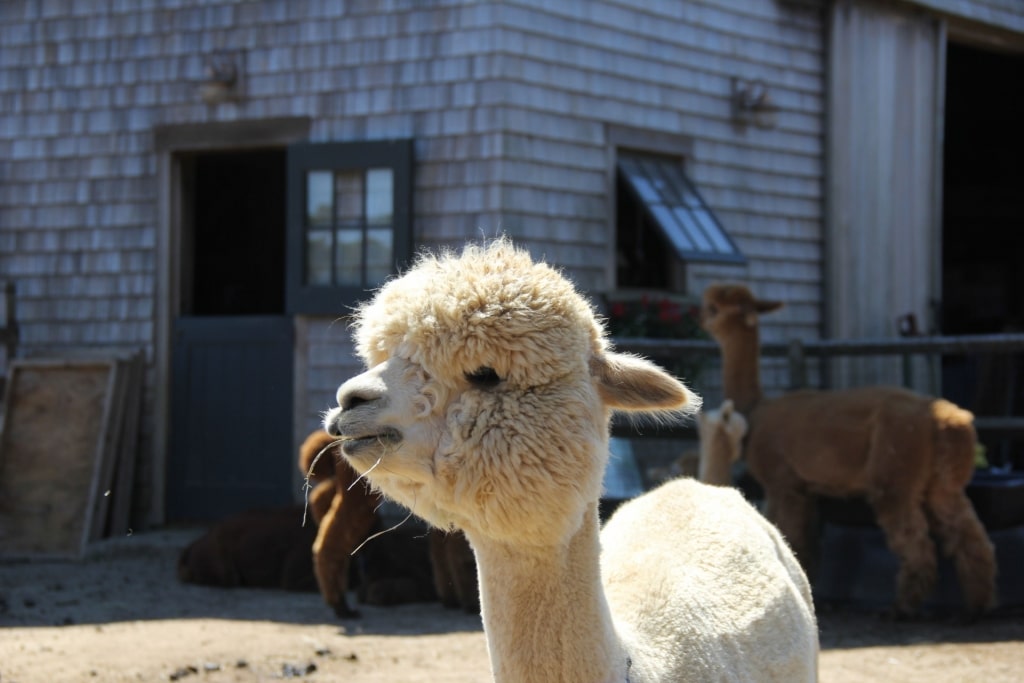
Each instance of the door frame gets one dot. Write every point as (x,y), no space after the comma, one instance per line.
(170,143)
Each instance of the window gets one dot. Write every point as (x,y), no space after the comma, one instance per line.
(663,223)
(349,221)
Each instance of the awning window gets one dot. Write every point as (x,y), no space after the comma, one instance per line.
(674,206)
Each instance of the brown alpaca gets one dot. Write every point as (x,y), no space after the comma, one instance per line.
(255,549)
(721,443)
(454,567)
(393,568)
(345,514)
(911,456)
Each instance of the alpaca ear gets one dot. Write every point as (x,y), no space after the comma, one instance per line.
(756,308)
(726,409)
(630,383)
(765,306)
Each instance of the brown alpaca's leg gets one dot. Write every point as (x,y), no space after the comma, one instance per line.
(906,533)
(454,566)
(953,517)
(965,540)
(462,565)
(444,582)
(793,513)
(331,559)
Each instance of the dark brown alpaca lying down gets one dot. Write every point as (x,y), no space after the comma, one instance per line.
(255,549)
(280,548)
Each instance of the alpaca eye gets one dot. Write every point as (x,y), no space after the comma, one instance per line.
(483,377)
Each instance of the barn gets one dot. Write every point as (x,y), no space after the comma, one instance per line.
(215,183)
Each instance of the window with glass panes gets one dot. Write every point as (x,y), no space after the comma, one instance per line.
(662,223)
(350,228)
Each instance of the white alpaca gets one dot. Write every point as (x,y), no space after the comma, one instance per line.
(721,443)
(486,407)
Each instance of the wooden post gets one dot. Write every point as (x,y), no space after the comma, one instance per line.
(797,365)
(9,329)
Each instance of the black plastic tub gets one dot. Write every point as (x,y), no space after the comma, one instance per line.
(998,498)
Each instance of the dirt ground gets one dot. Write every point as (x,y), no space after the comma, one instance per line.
(121,615)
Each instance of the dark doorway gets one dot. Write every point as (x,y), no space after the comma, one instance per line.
(231,421)
(238,242)
(982,235)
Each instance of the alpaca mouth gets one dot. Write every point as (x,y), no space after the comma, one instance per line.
(353,444)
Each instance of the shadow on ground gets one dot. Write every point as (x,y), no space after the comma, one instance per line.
(133,579)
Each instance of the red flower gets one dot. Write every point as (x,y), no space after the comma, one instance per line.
(669,315)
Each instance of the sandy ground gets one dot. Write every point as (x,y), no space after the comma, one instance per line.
(121,615)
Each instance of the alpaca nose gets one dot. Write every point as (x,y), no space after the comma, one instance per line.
(361,390)
(354,399)
(331,423)
(351,394)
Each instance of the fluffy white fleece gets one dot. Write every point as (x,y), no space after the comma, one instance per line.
(485,406)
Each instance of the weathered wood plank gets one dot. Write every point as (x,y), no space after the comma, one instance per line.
(51,454)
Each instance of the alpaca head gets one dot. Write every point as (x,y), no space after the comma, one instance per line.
(731,309)
(721,431)
(487,397)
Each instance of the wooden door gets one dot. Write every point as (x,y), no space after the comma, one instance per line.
(231,439)
(884,177)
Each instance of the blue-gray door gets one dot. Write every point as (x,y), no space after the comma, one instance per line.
(231,427)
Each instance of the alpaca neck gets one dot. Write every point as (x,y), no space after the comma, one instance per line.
(741,370)
(717,454)
(544,610)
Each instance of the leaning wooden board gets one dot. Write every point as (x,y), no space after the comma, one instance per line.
(52,453)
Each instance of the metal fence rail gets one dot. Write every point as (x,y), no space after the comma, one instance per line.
(798,352)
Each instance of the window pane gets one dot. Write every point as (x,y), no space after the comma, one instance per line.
(647,192)
(713,231)
(348,187)
(318,198)
(348,258)
(692,228)
(380,196)
(674,186)
(318,257)
(379,255)
(670,228)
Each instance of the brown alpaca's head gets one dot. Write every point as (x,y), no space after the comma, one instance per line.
(729,310)
(318,455)
(487,397)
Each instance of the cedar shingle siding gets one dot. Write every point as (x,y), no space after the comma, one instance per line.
(512,106)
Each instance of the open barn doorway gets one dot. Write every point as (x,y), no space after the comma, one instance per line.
(983,232)
(232,343)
